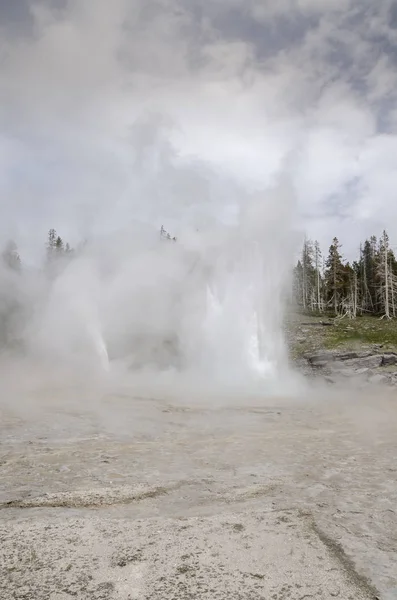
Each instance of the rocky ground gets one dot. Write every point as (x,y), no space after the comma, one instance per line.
(359,352)
(110,494)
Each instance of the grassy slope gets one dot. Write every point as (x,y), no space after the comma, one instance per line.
(306,334)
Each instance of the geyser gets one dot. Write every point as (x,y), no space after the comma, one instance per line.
(208,305)
(242,333)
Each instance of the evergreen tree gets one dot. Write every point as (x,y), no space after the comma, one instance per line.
(368,285)
(335,276)
(51,244)
(165,235)
(59,245)
(56,248)
(349,292)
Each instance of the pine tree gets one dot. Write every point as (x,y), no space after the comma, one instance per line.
(56,248)
(51,244)
(349,300)
(59,245)
(165,235)
(368,285)
(357,283)
(334,276)
(368,269)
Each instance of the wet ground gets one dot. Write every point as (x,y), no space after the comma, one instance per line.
(114,496)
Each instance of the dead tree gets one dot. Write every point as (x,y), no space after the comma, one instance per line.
(384,274)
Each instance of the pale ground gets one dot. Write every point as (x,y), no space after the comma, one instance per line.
(116,497)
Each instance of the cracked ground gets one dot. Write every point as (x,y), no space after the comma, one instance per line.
(113,496)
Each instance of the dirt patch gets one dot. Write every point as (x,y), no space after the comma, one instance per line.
(90,499)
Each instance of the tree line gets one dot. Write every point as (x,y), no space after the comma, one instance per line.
(366,286)
(24,290)
(21,288)
(56,248)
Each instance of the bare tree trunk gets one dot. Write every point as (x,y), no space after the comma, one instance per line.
(392,284)
(317,256)
(304,282)
(367,298)
(384,247)
(335,287)
(355,295)
(387,309)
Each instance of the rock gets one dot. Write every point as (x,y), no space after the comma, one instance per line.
(389,360)
(319,364)
(319,324)
(378,379)
(370,362)
(365,366)
(320,359)
(353,360)
(334,591)
(353,355)
(393,379)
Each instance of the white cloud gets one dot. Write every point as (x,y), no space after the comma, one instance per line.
(73,89)
(265,9)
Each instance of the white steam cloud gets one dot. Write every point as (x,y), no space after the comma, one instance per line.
(208,305)
(222,122)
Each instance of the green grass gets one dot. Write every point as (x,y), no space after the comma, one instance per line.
(362,331)
(306,334)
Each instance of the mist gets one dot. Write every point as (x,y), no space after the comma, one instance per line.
(203,306)
(118,125)
(121,120)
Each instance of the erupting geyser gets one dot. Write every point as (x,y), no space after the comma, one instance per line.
(242,328)
(208,305)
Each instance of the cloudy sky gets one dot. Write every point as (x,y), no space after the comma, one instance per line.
(208,96)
